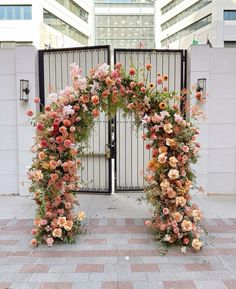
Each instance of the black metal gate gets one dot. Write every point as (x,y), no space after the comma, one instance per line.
(54,75)
(131,156)
(116,157)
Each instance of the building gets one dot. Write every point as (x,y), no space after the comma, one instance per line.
(125,23)
(180,23)
(46,23)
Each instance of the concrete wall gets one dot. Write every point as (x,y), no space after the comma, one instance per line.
(216,169)
(16,132)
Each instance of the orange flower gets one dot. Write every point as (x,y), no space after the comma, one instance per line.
(151,85)
(54,177)
(162,105)
(95,99)
(57,233)
(68,225)
(148,66)
(165,77)
(61,221)
(67,122)
(41,155)
(187,226)
(177,217)
(132,71)
(34,242)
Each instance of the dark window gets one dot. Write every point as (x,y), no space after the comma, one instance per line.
(230,44)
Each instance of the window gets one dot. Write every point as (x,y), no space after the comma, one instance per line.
(64,28)
(75,8)
(189,11)
(229,14)
(230,44)
(188,30)
(12,44)
(170,6)
(15,12)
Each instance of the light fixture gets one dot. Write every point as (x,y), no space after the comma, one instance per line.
(24,90)
(201,87)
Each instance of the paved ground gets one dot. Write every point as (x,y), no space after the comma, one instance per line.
(117,252)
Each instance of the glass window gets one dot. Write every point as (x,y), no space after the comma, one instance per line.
(15,12)
(64,27)
(75,8)
(190,10)
(229,14)
(187,30)
(230,44)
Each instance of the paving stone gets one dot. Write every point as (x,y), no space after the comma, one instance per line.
(133,276)
(59,277)
(66,268)
(144,267)
(148,285)
(209,284)
(56,285)
(179,285)
(23,285)
(117,285)
(230,284)
(87,285)
(117,268)
(15,277)
(103,276)
(34,268)
(5,285)
(98,268)
(10,268)
(198,267)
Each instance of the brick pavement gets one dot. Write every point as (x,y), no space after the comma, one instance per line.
(115,254)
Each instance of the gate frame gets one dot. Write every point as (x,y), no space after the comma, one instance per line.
(42,101)
(183,85)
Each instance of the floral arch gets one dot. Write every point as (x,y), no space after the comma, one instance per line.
(66,123)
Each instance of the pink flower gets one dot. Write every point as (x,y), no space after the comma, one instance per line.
(148,146)
(148,66)
(50,241)
(34,242)
(185,241)
(185,149)
(132,84)
(132,71)
(95,99)
(118,66)
(67,143)
(148,223)
(143,89)
(34,231)
(165,211)
(39,126)
(29,112)
(43,143)
(37,100)
(43,222)
(159,81)
(95,113)
(114,74)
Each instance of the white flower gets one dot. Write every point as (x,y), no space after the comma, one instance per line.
(178,118)
(164,114)
(94,87)
(68,109)
(82,82)
(183,250)
(52,97)
(146,119)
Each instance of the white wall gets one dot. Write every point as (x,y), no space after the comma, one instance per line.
(216,169)
(16,132)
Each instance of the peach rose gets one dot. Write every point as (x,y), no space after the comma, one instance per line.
(187,226)
(173,174)
(180,201)
(57,233)
(177,217)
(197,215)
(81,215)
(68,205)
(41,155)
(168,128)
(148,223)
(165,184)
(34,242)
(95,99)
(170,142)
(173,162)
(61,221)
(162,158)
(68,225)
(197,244)
(170,193)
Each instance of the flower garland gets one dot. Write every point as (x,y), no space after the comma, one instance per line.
(66,123)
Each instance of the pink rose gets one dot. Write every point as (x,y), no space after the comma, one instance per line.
(185,149)
(50,241)
(67,143)
(165,211)
(36,100)
(29,112)
(148,223)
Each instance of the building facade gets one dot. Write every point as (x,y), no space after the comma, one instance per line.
(179,23)
(46,23)
(125,23)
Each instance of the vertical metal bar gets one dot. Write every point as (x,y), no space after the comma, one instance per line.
(41,78)
(55,66)
(174,71)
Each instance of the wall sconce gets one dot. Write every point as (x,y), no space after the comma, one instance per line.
(201,87)
(24,90)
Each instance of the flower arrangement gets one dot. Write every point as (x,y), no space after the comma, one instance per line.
(65,124)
